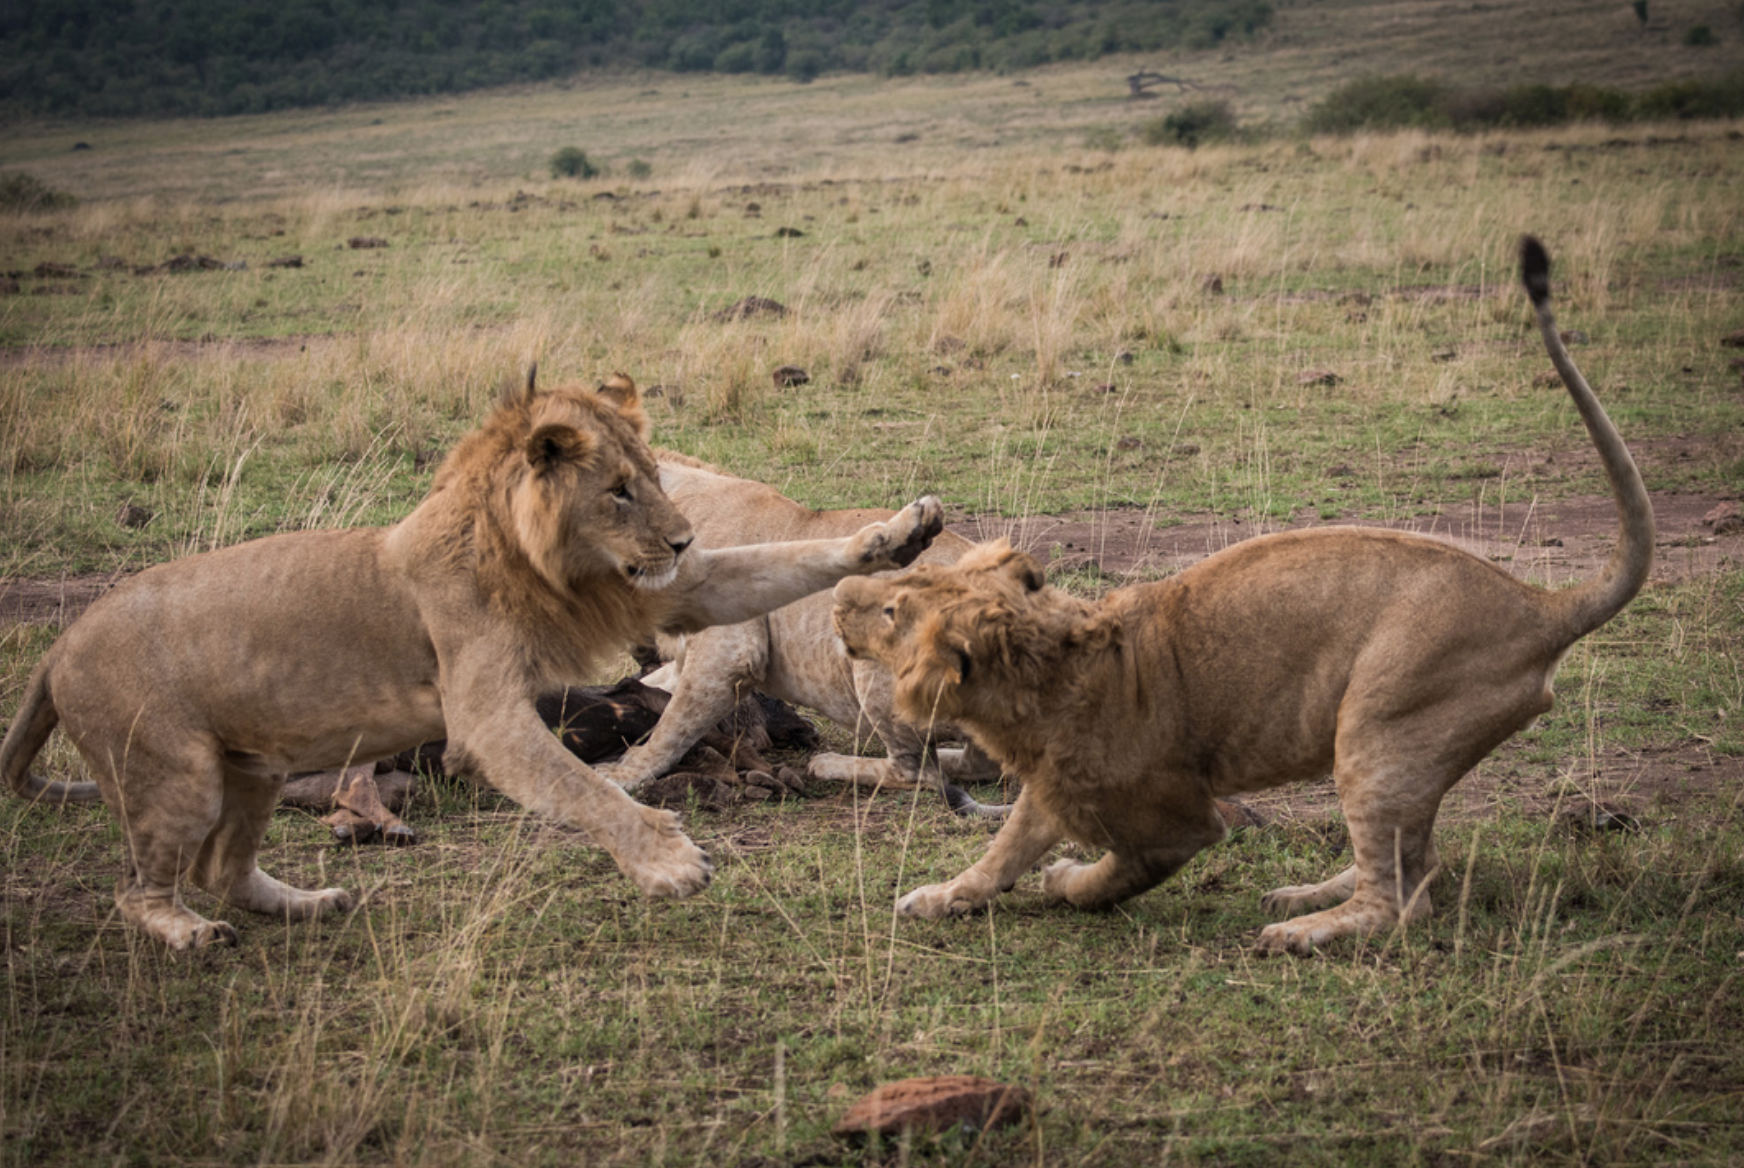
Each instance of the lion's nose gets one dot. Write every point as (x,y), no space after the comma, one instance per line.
(678,545)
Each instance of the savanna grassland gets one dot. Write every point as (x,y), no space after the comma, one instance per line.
(1001,297)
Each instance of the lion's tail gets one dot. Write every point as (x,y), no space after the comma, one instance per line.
(36,720)
(1593,603)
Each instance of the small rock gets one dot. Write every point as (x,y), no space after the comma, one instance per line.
(286,261)
(1212,284)
(1724,519)
(789,375)
(132,514)
(1124,357)
(789,233)
(934,1104)
(1318,377)
(1549,379)
(748,307)
(1597,817)
(363,242)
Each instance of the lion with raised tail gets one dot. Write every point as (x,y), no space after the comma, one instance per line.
(1394,661)
(544,544)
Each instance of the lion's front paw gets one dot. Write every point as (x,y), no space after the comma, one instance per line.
(937,901)
(1057,879)
(1291,937)
(332,900)
(201,933)
(666,863)
(899,541)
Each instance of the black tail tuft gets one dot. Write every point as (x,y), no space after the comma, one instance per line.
(1535,270)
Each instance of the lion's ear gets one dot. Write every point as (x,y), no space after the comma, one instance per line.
(553,444)
(927,683)
(998,556)
(620,390)
(1023,568)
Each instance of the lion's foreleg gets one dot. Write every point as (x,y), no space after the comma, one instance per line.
(1115,877)
(720,666)
(724,586)
(526,762)
(1025,838)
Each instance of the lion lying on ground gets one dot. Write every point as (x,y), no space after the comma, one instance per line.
(791,654)
(545,542)
(1395,661)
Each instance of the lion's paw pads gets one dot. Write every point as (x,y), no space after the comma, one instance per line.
(334,900)
(208,933)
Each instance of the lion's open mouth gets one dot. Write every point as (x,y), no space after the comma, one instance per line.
(654,579)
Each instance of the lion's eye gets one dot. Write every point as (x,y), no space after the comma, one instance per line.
(621,492)
(890,612)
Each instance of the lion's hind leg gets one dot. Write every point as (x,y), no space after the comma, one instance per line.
(1388,884)
(227,862)
(165,823)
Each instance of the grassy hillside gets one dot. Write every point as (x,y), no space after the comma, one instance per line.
(126,58)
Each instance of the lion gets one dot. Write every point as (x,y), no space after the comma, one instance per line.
(1394,661)
(792,654)
(545,543)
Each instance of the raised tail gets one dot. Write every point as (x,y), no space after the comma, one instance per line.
(34,722)
(1591,604)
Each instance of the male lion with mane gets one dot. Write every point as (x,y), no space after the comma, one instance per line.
(1394,661)
(193,688)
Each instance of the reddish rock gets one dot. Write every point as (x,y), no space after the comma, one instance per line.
(934,1104)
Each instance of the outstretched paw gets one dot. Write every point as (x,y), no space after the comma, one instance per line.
(899,541)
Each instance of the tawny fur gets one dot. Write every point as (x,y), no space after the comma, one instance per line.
(192,689)
(792,654)
(1395,662)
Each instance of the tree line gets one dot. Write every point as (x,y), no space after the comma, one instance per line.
(123,58)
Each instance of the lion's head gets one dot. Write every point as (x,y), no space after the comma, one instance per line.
(562,481)
(973,641)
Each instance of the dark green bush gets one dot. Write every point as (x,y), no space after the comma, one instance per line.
(572,162)
(1378,103)
(1189,126)
(1694,99)
(23,191)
